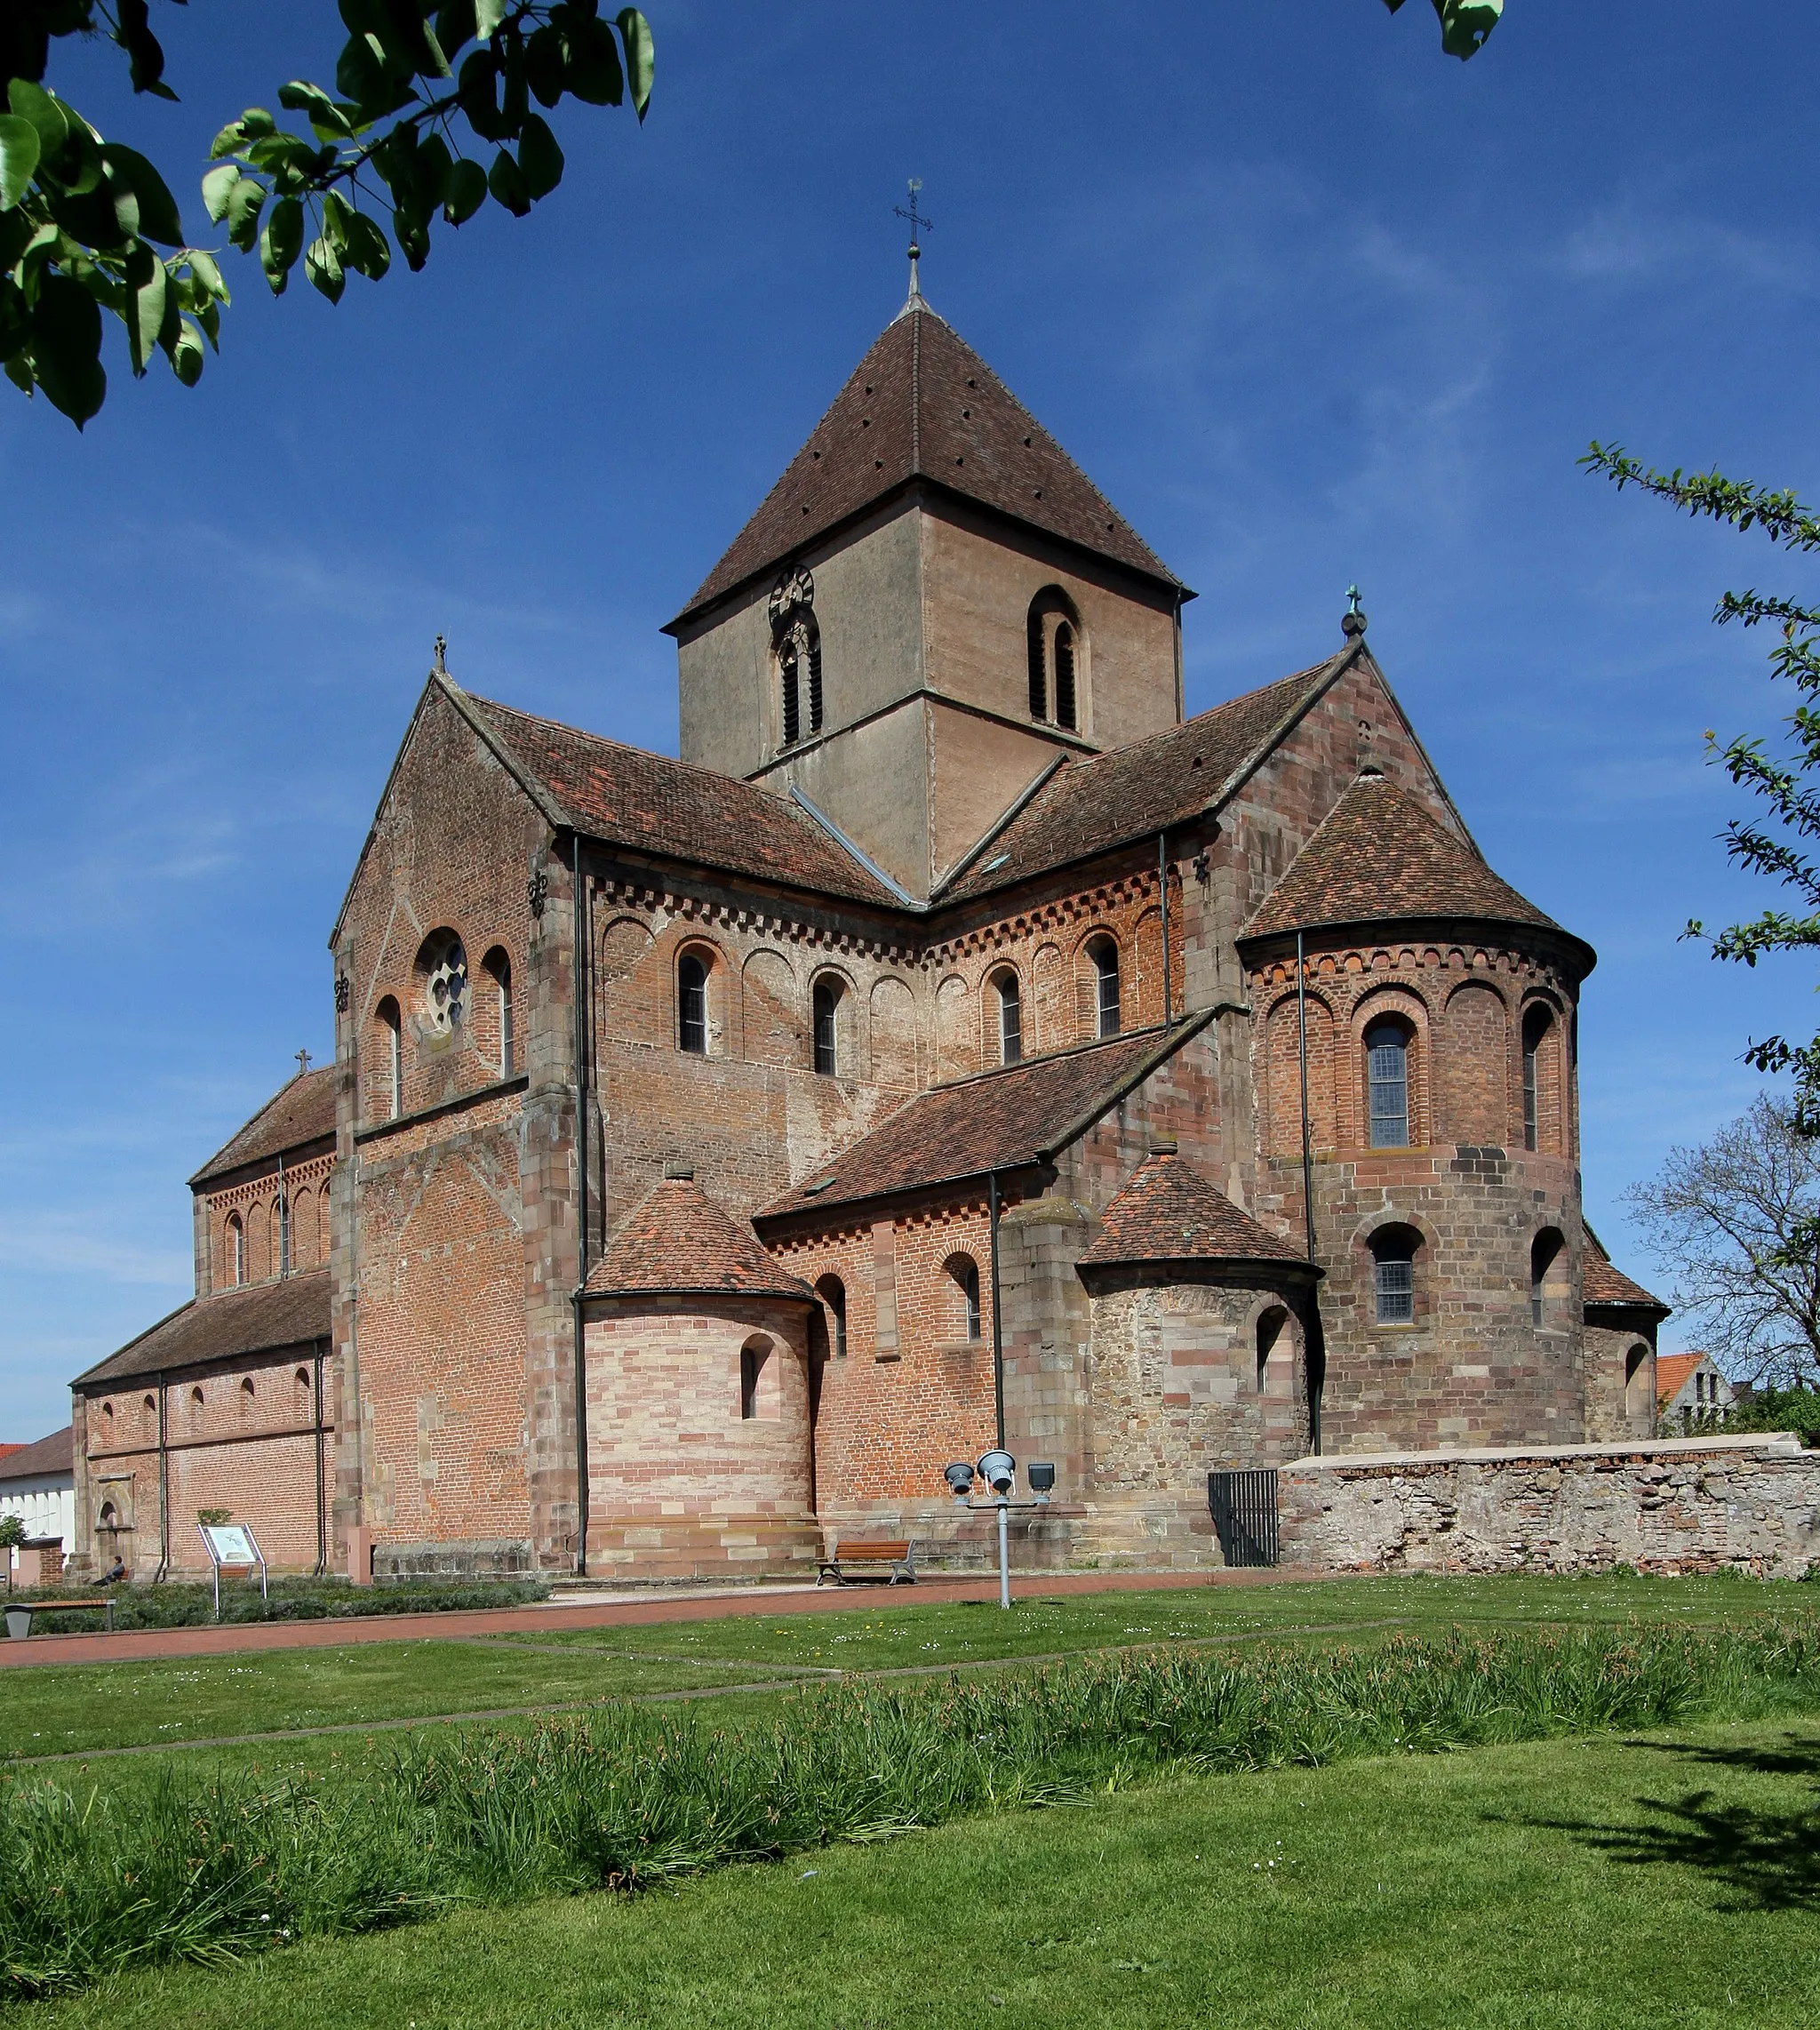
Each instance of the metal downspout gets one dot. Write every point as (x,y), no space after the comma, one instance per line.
(321,1471)
(1163,884)
(1307,1181)
(580,975)
(164,1484)
(998,1344)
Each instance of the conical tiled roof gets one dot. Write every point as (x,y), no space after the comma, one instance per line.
(922,404)
(1603,1283)
(677,1241)
(1166,1211)
(1380,857)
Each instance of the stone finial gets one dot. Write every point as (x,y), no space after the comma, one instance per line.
(1164,1146)
(1353,620)
(678,1172)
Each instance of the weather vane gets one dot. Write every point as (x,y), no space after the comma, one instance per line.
(918,225)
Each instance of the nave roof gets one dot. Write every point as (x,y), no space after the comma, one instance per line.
(257,1321)
(300,1112)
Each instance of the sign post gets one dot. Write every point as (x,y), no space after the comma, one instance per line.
(234,1545)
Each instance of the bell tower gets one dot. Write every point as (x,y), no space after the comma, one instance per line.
(930,607)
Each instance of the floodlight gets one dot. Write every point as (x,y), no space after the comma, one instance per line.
(960,1479)
(999,1471)
(1042,1476)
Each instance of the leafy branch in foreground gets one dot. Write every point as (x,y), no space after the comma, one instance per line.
(1787,784)
(83,219)
(1464,24)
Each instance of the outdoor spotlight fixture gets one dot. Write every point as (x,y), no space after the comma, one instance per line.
(999,1471)
(960,1479)
(1042,1476)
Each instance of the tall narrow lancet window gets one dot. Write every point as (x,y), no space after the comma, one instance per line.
(390,1069)
(283,1234)
(1387,1081)
(1010,1012)
(1536,1026)
(827,998)
(1104,954)
(833,1293)
(498,969)
(691,1004)
(790,677)
(965,1273)
(236,1249)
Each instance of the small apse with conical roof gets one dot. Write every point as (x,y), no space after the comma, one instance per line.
(931,607)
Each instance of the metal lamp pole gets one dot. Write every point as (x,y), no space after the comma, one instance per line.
(999,1471)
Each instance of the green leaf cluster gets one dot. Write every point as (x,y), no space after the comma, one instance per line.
(81,218)
(1780,842)
(1464,24)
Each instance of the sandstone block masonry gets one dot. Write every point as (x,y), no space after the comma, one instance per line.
(1684,1505)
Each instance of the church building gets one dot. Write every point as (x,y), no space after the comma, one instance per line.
(956,1043)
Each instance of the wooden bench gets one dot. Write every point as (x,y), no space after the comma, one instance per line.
(854,1563)
(19,1612)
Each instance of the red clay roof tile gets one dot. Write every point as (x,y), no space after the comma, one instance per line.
(678,1242)
(1088,806)
(1166,1210)
(675,811)
(300,1112)
(51,1455)
(1000,1120)
(1601,1284)
(1378,857)
(1672,1372)
(291,1312)
(923,404)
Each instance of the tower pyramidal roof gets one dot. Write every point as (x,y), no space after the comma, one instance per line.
(923,406)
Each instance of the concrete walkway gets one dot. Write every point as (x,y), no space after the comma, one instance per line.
(604,1610)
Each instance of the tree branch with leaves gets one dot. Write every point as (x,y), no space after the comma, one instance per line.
(83,219)
(1464,24)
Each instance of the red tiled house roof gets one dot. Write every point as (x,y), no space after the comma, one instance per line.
(300,1112)
(1000,1120)
(923,405)
(1166,1211)
(678,1242)
(672,809)
(1379,857)
(1672,1372)
(51,1455)
(1089,805)
(293,1312)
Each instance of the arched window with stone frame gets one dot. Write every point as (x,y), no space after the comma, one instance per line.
(1396,1251)
(234,1247)
(833,1293)
(1056,654)
(1005,1003)
(1390,1114)
(1098,988)
(826,997)
(695,968)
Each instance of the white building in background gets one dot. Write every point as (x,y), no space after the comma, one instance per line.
(1687,1387)
(37,1483)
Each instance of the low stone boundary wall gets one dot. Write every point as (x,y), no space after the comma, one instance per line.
(1673,1505)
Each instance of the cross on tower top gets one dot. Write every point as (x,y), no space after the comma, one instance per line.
(918,225)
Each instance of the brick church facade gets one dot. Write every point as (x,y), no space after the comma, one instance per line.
(956,1038)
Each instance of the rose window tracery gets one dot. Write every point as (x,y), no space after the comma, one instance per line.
(445,993)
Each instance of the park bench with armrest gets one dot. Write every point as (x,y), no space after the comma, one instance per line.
(19,1612)
(854,1561)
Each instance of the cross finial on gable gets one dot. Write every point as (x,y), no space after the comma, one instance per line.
(302,1062)
(441,667)
(1353,620)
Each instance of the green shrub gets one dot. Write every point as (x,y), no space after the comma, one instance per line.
(179,1605)
(93,1881)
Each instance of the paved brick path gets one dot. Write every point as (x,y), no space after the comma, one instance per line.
(139,1645)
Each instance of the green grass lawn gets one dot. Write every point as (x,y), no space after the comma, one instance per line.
(1598,1882)
(53,1709)
(50,1709)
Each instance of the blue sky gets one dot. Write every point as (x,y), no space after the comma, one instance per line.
(1310,301)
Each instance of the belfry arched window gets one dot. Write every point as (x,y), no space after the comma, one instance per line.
(1053,632)
(796,654)
(1387,1084)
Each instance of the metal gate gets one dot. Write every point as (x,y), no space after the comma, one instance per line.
(1244,1516)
